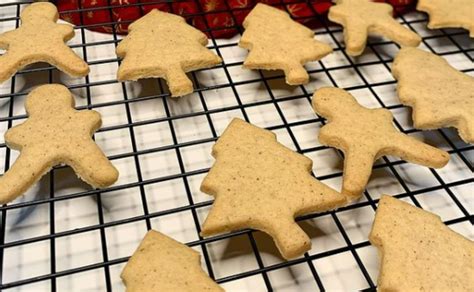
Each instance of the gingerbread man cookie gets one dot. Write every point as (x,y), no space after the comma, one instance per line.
(54,133)
(363,17)
(440,95)
(259,183)
(276,42)
(364,135)
(39,39)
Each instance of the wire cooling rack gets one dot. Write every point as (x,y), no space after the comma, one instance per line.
(64,236)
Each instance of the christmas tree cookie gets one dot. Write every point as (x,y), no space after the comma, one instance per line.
(54,133)
(363,17)
(418,252)
(39,39)
(161,263)
(364,135)
(259,183)
(276,42)
(163,45)
(440,95)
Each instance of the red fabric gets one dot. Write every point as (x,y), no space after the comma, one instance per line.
(214,17)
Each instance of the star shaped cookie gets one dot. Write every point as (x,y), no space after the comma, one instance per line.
(363,17)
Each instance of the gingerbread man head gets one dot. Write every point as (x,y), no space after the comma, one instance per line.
(49,99)
(32,14)
(333,102)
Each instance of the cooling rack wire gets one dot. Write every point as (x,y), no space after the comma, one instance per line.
(63,236)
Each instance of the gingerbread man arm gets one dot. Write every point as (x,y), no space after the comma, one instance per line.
(396,32)
(66,30)
(328,136)
(15,137)
(28,168)
(70,63)
(91,118)
(412,150)
(5,39)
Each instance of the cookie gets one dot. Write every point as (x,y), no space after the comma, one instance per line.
(161,263)
(276,42)
(54,133)
(449,13)
(163,45)
(364,135)
(39,39)
(418,252)
(259,183)
(440,95)
(361,18)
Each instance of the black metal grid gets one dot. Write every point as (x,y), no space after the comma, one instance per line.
(456,148)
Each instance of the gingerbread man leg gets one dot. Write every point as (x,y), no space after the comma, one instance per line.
(357,170)
(9,64)
(68,62)
(466,130)
(355,38)
(93,166)
(23,174)
(412,150)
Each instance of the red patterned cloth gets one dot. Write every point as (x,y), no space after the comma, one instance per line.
(219,18)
